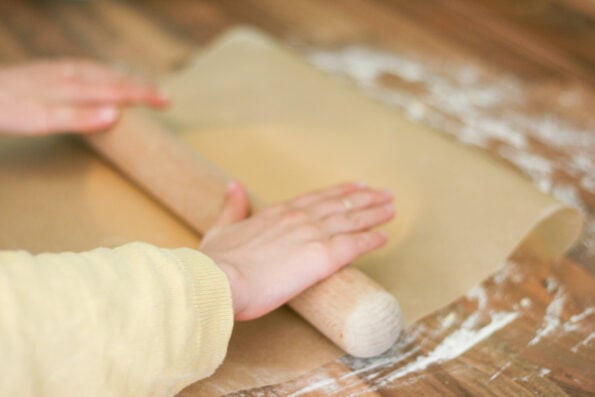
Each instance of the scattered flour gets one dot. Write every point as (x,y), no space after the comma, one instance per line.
(500,371)
(581,316)
(509,272)
(453,345)
(538,168)
(544,372)
(319,382)
(551,285)
(526,303)
(448,321)
(391,357)
(372,371)
(585,342)
(552,318)
(376,374)
(478,294)
(574,323)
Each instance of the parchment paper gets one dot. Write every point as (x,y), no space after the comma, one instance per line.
(283,128)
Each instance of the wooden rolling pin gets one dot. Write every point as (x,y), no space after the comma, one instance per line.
(349,308)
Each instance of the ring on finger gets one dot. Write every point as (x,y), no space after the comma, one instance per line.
(347,203)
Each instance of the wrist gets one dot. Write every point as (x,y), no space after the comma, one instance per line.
(234,279)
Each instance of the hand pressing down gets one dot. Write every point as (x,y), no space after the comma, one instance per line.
(47,97)
(276,254)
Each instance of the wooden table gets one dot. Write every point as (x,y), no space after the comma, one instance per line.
(514,78)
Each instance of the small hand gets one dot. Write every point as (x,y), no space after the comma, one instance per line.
(274,255)
(47,97)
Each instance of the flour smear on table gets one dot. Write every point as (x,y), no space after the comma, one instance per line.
(406,362)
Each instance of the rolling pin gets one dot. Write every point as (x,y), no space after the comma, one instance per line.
(349,308)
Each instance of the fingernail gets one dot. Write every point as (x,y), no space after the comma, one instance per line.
(361,184)
(107,114)
(387,193)
(389,208)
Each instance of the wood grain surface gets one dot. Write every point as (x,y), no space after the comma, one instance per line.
(514,78)
(521,333)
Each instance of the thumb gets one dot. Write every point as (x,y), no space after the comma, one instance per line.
(236,206)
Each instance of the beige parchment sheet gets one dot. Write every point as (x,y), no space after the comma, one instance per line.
(283,128)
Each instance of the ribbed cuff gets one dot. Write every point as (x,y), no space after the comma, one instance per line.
(213,304)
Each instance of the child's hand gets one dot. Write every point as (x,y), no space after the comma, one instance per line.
(67,96)
(274,255)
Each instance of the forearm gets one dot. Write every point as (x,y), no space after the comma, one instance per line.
(135,320)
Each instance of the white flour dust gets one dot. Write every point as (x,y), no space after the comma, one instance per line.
(552,318)
(551,285)
(543,372)
(453,345)
(319,382)
(466,336)
(372,371)
(510,272)
(576,322)
(577,318)
(378,372)
(553,322)
(585,343)
(478,293)
(448,321)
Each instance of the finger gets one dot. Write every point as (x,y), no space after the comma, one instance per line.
(349,202)
(345,248)
(308,199)
(124,93)
(89,82)
(236,206)
(84,70)
(118,93)
(358,220)
(55,119)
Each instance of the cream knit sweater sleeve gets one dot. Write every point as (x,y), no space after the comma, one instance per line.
(131,321)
